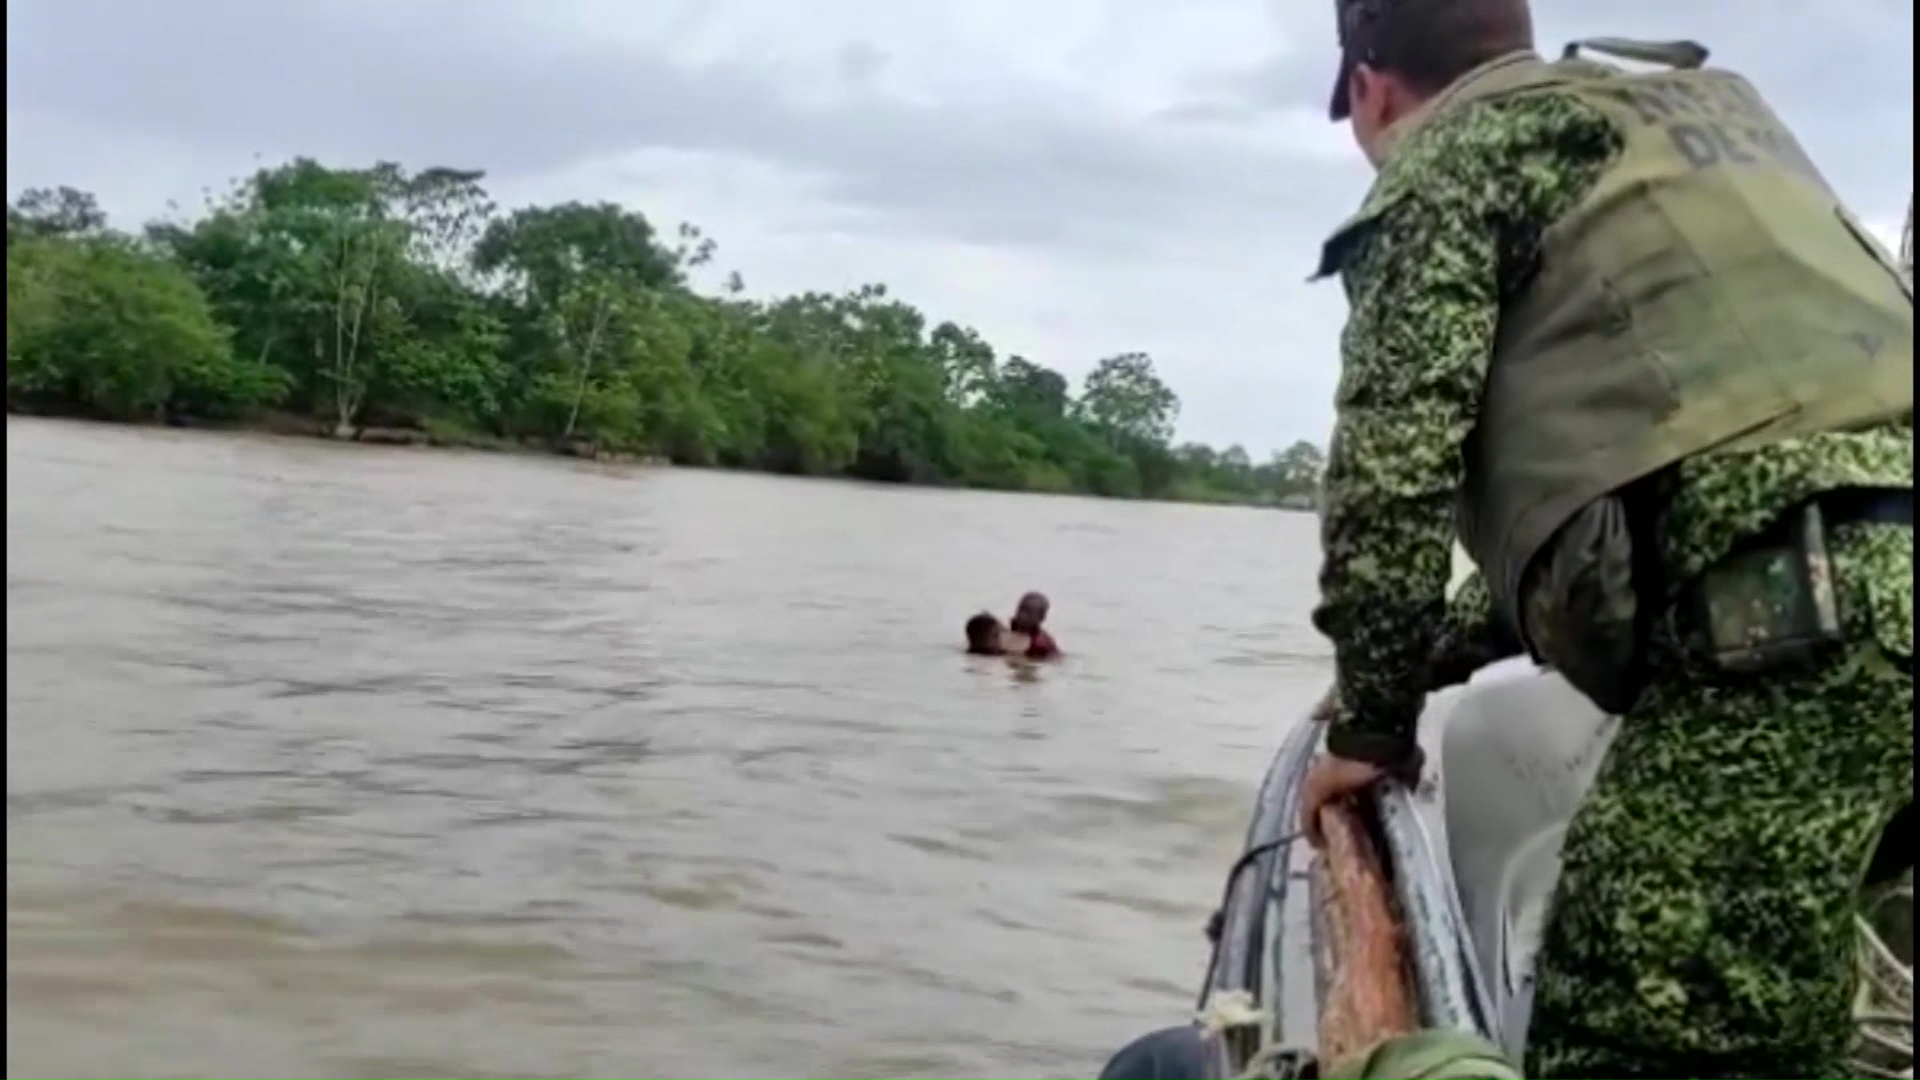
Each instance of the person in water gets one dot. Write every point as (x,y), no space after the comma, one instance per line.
(985,636)
(1027,617)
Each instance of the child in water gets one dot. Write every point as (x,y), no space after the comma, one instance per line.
(985,636)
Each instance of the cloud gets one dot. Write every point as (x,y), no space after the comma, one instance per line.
(1074,178)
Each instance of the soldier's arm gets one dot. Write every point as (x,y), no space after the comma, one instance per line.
(1470,637)
(1465,202)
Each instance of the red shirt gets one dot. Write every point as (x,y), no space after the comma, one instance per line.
(1041,646)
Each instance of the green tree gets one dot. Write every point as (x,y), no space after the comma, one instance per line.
(40,213)
(1122,395)
(379,298)
(1297,471)
(574,276)
(99,326)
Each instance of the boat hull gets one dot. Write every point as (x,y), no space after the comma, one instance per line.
(1470,858)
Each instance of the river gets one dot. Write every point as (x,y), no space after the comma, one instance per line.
(327,760)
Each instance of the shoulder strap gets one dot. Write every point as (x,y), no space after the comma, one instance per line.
(1673,54)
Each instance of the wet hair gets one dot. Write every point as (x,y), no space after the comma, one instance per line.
(982,635)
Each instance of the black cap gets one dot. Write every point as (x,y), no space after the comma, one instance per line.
(1356,21)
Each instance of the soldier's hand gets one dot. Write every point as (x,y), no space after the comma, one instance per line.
(1328,781)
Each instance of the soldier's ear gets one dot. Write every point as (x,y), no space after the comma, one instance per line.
(1363,87)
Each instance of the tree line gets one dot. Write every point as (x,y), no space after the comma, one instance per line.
(384,304)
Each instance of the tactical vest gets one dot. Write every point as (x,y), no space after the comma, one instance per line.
(1709,294)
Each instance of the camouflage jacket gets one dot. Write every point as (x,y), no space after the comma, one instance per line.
(1469,195)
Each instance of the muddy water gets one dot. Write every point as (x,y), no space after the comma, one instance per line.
(335,761)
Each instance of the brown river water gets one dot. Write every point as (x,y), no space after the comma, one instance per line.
(336,761)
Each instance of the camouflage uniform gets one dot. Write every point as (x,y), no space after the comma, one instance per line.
(1702,928)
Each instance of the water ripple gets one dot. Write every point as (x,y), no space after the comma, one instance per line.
(331,761)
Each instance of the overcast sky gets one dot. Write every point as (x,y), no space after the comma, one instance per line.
(1072,177)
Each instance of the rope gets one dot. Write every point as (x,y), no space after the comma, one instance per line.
(1883,1008)
(1216,922)
(1238,1009)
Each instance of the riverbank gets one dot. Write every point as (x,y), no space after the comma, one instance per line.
(440,437)
(398,307)
(436,436)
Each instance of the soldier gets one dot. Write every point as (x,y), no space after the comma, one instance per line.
(1615,331)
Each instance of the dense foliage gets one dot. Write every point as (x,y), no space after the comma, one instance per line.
(379,301)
